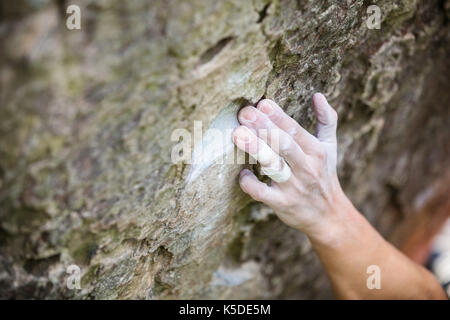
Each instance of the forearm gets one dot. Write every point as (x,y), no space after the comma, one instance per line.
(349,245)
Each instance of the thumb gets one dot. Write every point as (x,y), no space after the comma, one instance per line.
(326,119)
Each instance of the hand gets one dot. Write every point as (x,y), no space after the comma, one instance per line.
(306,196)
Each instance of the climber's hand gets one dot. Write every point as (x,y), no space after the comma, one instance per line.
(306,195)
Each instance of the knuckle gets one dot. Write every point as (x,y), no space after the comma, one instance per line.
(321,153)
(285,147)
(263,133)
(283,203)
(292,131)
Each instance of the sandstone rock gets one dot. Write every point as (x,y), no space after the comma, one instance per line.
(87,115)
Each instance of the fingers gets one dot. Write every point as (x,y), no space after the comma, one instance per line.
(301,136)
(247,141)
(326,119)
(258,190)
(278,140)
(271,164)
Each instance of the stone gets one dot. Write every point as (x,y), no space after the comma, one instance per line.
(86,177)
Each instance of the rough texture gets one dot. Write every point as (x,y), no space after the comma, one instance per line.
(85,170)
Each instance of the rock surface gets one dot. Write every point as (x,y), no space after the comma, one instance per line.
(86,176)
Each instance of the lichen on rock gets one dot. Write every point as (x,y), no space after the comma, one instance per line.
(87,115)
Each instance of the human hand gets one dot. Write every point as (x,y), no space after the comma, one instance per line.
(308,197)
(305,197)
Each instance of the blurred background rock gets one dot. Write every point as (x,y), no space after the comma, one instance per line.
(86,119)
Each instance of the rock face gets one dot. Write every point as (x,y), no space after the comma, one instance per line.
(86,176)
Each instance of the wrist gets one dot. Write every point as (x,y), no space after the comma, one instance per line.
(341,223)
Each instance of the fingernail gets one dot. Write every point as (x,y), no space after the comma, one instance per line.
(249,115)
(266,108)
(244,172)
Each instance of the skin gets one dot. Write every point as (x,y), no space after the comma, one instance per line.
(311,200)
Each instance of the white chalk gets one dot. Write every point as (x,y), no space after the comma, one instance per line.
(272,164)
(216,143)
(265,155)
(278,174)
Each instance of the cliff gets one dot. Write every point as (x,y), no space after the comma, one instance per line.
(86,176)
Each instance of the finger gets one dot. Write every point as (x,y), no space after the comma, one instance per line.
(258,190)
(271,163)
(326,119)
(301,136)
(278,140)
